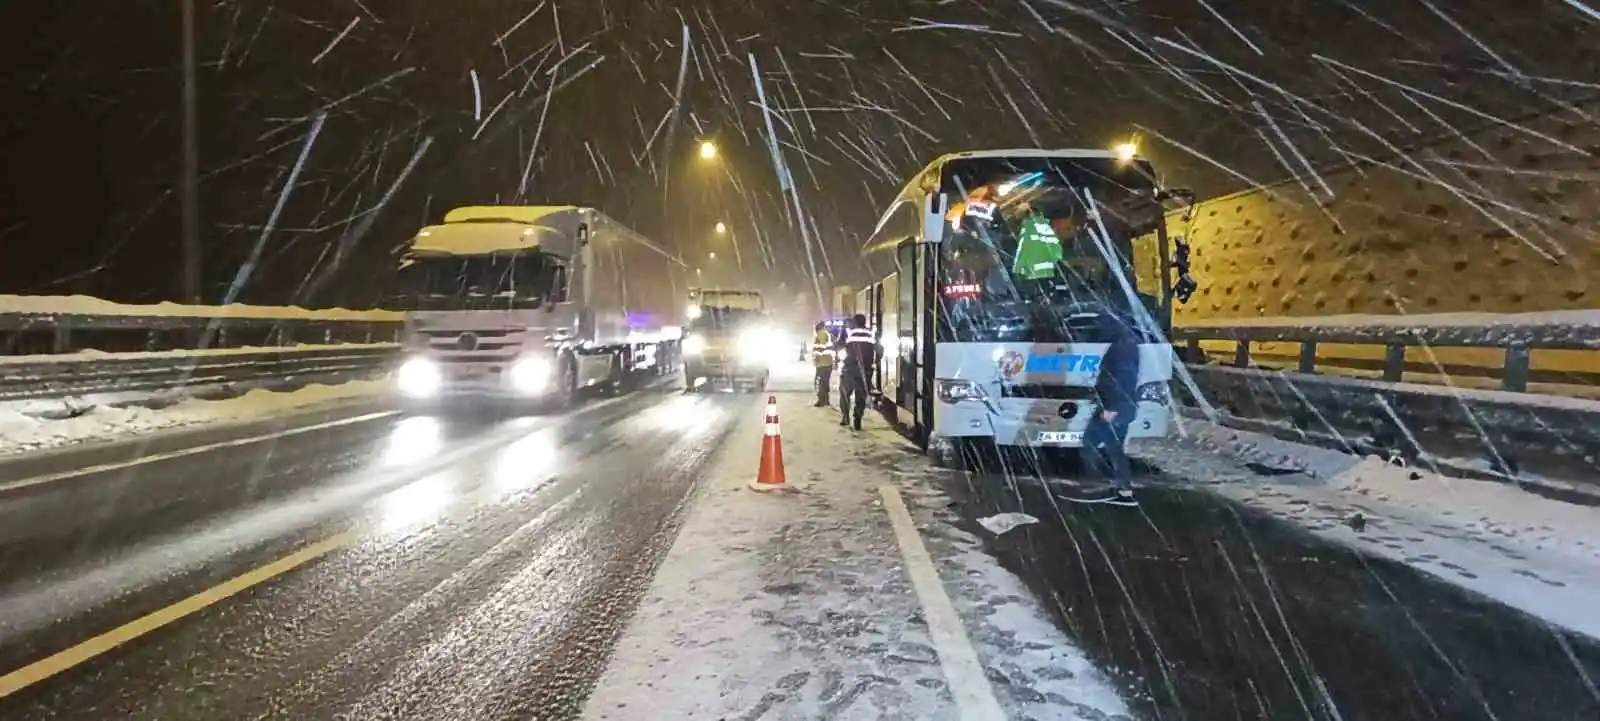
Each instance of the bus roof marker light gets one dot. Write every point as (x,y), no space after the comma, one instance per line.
(1126,152)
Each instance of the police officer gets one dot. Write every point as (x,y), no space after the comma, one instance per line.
(861,356)
(822,359)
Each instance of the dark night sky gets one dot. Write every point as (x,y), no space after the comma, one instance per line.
(90,135)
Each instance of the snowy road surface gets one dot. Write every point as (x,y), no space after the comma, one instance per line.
(386,567)
(461,570)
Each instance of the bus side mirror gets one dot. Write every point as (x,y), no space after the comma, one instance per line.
(933,223)
(1184,289)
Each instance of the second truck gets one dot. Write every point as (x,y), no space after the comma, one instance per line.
(729,343)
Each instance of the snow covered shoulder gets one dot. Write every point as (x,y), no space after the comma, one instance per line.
(23,429)
(1535,554)
(819,604)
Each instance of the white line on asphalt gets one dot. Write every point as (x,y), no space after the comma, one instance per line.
(191,451)
(968,683)
(64,660)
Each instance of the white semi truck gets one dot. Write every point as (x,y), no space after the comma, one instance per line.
(527,306)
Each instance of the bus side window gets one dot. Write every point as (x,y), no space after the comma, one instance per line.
(906,313)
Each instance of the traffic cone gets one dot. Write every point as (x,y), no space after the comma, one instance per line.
(770,476)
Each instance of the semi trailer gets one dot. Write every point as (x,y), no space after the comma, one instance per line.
(532,305)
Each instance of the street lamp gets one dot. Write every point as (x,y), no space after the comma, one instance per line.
(713,256)
(708,150)
(721,227)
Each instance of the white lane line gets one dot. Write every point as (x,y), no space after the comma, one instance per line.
(190,451)
(64,660)
(969,685)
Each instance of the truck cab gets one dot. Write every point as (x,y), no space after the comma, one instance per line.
(729,341)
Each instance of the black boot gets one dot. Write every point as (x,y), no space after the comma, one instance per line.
(843,421)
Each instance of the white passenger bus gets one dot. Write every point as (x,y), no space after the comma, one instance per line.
(1002,263)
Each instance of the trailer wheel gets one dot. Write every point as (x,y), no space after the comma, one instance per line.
(567,390)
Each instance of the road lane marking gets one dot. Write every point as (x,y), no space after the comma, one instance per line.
(64,660)
(969,685)
(182,452)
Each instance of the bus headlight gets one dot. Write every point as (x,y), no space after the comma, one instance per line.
(529,375)
(1154,392)
(694,345)
(955,391)
(418,378)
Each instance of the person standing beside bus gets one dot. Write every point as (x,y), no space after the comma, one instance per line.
(1116,389)
(822,360)
(860,357)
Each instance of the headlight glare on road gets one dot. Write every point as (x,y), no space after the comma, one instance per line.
(694,345)
(529,375)
(418,378)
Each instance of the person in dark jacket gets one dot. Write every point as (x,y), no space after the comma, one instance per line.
(1116,390)
(860,357)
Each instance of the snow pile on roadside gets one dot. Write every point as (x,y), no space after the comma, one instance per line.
(798,605)
(1538,555)
(20,432)
(89,305)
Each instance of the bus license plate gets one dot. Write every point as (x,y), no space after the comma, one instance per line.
(1060,436)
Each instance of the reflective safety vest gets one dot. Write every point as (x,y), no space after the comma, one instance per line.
(860,350)
(822,349)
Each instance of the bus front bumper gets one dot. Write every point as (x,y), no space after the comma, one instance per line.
(1037,423)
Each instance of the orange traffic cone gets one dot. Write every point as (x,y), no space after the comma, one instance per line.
(770,477)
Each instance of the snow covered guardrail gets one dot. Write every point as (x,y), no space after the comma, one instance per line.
(87,374)
(64,324)
(1549,439)
(56,347)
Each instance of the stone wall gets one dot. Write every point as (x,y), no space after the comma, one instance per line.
(1507,222)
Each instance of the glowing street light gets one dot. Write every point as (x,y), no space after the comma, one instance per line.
(721,227)
(1126,151)
(713,256)
(708,150)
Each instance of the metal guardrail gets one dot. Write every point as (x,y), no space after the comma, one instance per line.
(1515,335)
(151,348)
(36,326)
(1544,442)
(156,372)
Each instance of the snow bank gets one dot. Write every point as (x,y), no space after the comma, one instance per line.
(1532,553)
(87,305)
(100,355)
(799,606)
(20,432)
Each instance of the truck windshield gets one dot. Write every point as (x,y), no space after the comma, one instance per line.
(476,282)
(1032,245)
(713,320)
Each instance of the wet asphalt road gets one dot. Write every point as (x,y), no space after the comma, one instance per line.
(485,567)
(1214,611)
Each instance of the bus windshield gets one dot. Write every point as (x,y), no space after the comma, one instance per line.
(1030,246)
(476,282)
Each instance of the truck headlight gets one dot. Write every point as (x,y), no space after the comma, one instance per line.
(754,345)
(529,375)
(694,345)
(418,378)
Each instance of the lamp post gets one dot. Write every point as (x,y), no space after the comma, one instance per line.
(189,182)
